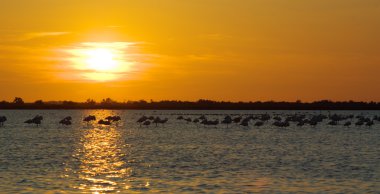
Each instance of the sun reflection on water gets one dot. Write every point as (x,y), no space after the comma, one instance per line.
(101,164)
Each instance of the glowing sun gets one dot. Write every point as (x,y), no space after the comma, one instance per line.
(101,61)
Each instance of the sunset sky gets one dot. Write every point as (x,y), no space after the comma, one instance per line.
(238,50)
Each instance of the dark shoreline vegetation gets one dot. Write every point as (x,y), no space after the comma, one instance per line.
(108,103)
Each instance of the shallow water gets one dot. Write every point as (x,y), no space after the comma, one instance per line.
(181,157)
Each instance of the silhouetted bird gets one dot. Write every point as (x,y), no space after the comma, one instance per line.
(265,117)
(158,120)
(113,118)
(369,124)
(89,118)
(146,123)
(163,121)
(2,120)
(202,117)
(313,123)
(300,124)
(215,122)
(333,123)
(68,118)
(36,120)
(142,119)
(102,122)
(359,123)
(210,123)
(227,120)
(259,123)
(244,123)
(237,119)
(188,120)
(281,124)
(66,121)
(29,121)
(336,118)
(347,124)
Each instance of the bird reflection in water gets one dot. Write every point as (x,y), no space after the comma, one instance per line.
(101,165)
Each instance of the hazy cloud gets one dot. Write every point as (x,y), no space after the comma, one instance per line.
(34,35)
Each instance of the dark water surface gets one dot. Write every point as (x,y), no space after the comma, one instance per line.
(181,157)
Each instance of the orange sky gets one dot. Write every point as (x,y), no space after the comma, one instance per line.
(244,50)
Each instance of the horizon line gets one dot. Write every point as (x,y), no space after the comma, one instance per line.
(110,100)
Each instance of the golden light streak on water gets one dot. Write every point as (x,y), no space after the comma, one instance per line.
(101,159)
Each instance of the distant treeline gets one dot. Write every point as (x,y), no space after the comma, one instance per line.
(108,103)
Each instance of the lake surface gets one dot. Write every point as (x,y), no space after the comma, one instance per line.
(182,157)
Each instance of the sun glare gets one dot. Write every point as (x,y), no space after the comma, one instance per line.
(101,61)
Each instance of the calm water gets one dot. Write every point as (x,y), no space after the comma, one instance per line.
(180,157)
